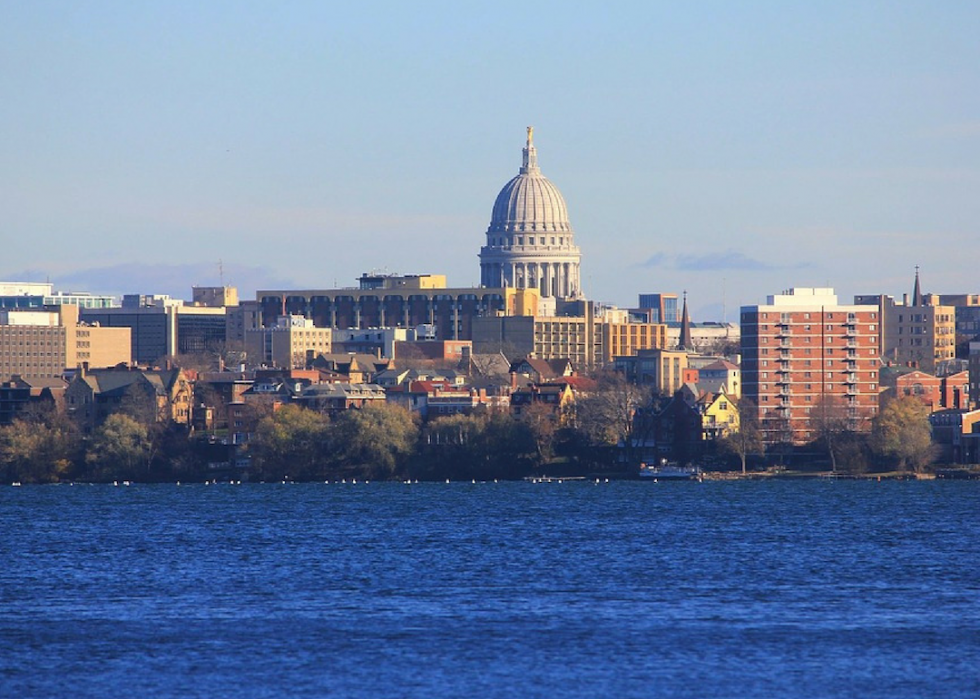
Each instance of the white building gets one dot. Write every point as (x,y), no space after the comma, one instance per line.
(530,242)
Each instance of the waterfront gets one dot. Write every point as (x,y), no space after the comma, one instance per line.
(750,589)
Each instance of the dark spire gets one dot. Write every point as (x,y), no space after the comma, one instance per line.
(916,292)
(685,343)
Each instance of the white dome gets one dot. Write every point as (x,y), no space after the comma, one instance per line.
(529,202)
(530,243)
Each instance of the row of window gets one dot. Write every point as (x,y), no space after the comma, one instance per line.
(531,240)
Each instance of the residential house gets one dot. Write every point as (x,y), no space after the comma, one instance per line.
(161,395)
(19,396)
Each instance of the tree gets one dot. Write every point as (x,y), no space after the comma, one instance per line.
(291,443)
(831,422)
(484,446)
(374,441)
(902,432)
(140,402)
(542,422)
(38,450)
(120,448)
(607,416)
(747,441)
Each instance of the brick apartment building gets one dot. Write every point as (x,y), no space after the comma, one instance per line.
(802,346)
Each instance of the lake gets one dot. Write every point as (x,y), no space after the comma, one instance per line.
(810,588)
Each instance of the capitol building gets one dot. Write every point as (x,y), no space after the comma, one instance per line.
(530,242)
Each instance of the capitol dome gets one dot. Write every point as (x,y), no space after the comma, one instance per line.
(529,202)
(530,242)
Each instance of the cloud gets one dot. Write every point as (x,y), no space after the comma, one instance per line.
(656,260)
(711,262)
(173,279)
(961,129)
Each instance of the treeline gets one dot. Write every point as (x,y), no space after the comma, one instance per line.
(376,442)
(898,438)
(383,442)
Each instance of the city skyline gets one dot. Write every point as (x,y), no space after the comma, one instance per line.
(732,152)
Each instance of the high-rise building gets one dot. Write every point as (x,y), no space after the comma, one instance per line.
(918,332)
(663,308)
(288,343)
(162,326)
(44,343)
(394,301)
(530,242)
(802,350)
(37,295)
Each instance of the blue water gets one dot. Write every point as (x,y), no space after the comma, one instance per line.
(626,589)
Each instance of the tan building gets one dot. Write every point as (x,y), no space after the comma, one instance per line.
(921,336)
(586,341)
(287,344)
(162,395)
(664,370)
(974,372)
(721,375)
(163,327)
(801,347)
(43,344)
(395,302)
(919,331)
(214,296)
(626,339)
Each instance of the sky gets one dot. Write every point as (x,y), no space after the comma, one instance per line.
(727,149)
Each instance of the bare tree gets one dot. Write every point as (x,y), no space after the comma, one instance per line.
(831,422)
(747,441)
(608,415)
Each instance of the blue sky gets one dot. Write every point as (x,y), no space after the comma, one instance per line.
(732,149)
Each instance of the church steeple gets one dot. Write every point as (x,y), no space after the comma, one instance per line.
(685,342)
(916,291)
